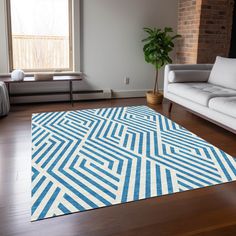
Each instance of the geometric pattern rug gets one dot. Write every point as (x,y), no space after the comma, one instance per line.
(87,159)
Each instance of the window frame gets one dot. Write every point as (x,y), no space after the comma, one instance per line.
(10,43)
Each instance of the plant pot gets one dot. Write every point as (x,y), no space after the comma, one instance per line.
(154,98)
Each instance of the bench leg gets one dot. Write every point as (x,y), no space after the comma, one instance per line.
(170,107)
(9,91)
(71,93)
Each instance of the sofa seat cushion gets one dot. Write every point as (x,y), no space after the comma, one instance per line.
(200,93)
(225,105)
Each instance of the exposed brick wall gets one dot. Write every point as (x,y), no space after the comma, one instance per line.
(188,27)
(215,30)
(205,26)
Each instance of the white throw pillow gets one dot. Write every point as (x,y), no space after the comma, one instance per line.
(185,76)
(224,73)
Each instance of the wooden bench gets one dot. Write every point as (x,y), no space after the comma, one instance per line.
(70,79)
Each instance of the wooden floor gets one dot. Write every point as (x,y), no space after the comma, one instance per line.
(208,211)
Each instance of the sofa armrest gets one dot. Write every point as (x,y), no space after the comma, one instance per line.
(186,76)
(178,67)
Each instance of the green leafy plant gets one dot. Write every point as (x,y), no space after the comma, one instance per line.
(157,48)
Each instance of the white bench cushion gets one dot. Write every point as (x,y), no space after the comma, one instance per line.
(225,105)
(224,73)
(200,93)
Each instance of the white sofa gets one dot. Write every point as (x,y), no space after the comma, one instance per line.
(207,90)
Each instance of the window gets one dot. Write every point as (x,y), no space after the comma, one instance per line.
(40,37)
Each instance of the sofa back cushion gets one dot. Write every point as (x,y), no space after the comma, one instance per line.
(224,73)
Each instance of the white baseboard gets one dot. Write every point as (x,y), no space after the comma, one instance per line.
(128,93)
(104,94)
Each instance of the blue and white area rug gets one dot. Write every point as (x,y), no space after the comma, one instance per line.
(88,159)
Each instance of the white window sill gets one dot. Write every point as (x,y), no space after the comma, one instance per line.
(30,74)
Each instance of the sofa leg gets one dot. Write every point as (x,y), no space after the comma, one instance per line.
(170,107)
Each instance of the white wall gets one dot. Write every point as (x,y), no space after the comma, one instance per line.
(112,37)
(111,47)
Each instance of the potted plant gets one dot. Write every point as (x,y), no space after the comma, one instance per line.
(158,45)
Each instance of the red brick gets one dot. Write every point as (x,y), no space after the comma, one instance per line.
(205,26)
